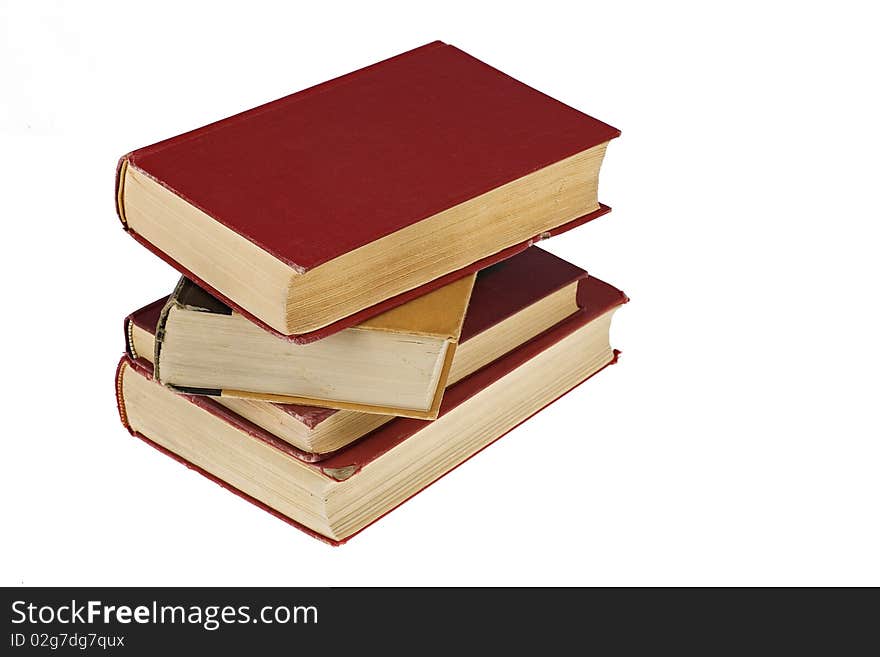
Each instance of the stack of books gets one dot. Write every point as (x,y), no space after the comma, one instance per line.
(362,305)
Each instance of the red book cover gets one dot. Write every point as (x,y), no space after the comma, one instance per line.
(347,463)
(500,291)
(318,174)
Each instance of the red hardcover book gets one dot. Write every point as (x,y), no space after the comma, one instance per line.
(318,210)
(338,497)
(511,302)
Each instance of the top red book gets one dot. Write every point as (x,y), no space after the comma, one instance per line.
(317,210)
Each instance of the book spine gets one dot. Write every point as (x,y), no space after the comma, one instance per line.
(128,328)
(161,326)
(120,399)
(121,167)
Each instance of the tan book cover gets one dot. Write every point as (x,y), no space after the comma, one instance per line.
(396,363)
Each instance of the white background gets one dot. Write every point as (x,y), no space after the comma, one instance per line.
(735,443)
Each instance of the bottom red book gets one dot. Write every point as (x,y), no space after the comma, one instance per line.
(336,498)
